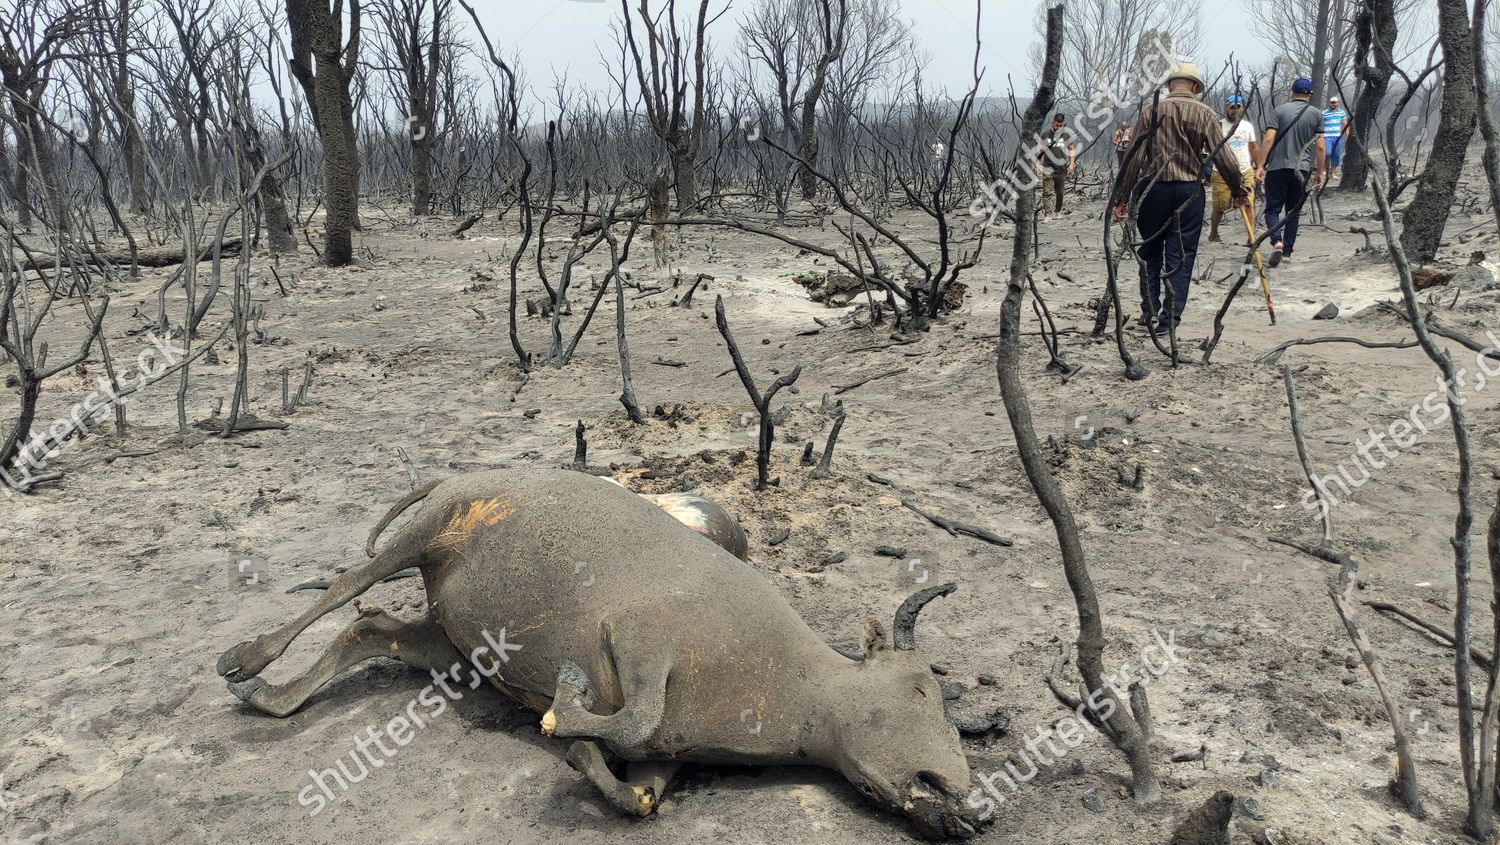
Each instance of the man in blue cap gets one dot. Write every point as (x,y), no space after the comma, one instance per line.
(1241,139)
(1293,148)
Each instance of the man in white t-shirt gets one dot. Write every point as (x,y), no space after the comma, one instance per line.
(1242,140)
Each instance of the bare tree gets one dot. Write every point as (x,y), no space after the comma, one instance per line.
(122,96)
(1477,763)
(1109,711)
(1314,34)
(880,56)
(32,39)
(1423,221)
(412,44)
(1374,65)
(672,64)
(799,45)
(198,45)
(325,63)
(1109,37)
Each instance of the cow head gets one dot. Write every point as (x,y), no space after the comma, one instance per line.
(896,743)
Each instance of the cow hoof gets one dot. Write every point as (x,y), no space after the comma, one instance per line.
(246,688)
(242,662)
(645,798)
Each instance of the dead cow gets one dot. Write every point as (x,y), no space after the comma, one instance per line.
(639,636)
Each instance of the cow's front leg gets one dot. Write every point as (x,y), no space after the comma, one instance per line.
(644,688)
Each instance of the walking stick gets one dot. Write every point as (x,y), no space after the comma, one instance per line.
(1264,285)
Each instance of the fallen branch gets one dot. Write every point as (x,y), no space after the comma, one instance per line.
(466,225)
(161,256)
(956,528)
(862,382)
(1480,658)
(1273,355)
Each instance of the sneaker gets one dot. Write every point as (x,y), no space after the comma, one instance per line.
(1277,253)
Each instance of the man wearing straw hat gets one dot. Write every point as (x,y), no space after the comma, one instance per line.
(1173,136)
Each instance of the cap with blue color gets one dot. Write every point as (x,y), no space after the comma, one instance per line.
(1302,85)
(1234,100)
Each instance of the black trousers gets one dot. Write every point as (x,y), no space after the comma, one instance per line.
(1284,192)
(1170,220)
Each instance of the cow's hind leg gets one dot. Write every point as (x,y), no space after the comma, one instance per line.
(374,634)
(654,775)
(637,795)
(247,659)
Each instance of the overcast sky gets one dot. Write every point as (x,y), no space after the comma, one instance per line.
(556,37)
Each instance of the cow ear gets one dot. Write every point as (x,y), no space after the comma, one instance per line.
(875,640)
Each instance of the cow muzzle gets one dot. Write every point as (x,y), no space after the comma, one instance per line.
(938,811)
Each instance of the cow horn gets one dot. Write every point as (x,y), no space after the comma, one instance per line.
(904,634)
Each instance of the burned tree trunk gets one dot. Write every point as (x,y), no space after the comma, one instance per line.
(413,53)
(663,73)
(1320,48)
(627,385)
(134,147)
(1109,709)
(325,65)
(1422,223)
(762,401)
(1375,64)
(28,52)
(280,235)
(1487,128)
(832,30)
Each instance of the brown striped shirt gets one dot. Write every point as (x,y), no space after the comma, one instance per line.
(1189,131)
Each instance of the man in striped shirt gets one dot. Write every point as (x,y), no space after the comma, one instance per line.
(1335,123)
(1173,138)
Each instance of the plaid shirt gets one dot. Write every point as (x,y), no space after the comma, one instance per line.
(1189,131)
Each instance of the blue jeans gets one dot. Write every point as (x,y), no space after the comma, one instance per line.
(1334,144)
(1284,193)
(1170,221)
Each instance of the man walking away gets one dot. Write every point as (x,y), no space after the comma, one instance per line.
(1057,160)
(1293,147)
(1178,133)
(1242,141)
(1335,125)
